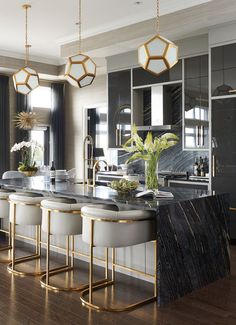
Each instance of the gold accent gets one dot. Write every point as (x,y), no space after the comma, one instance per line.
(7,247)
(93,287)
(94,170)
(232,209)
(88,160)
(26,83)
(131,220)
(163,57)
(16,261)
(70,63)
(45,278)
(213,165)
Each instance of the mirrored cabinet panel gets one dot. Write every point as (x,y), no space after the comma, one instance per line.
(196,103)
(223,66)
(119,107)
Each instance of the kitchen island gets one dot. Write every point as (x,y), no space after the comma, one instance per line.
(193,240)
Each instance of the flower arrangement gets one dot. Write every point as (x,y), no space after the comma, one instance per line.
(27,150)
(150,151)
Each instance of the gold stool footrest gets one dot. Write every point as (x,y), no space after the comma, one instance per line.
(111,309)
(59,270)
(22,260)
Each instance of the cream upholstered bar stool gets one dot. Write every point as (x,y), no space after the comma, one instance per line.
(112,229)
(4,208)
(25,211)
(61,219)
(4,214)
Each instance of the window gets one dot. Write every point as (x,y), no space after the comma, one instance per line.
(41,97)
(41,104)
(38,136)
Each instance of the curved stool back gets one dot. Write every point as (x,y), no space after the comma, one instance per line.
(4,213)
(12,174)
(25,210)
(60,216)
(114,229)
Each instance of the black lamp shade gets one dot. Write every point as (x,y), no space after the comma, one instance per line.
(98,152)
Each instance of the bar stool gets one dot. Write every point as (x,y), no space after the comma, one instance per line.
(25,211)
(109,229)
(4,213)
(62,219)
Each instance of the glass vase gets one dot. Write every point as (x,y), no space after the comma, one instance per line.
(151,173)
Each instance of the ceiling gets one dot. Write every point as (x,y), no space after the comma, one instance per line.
(52,22)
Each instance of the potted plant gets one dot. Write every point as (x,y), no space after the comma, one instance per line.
(150,151)
(28,150)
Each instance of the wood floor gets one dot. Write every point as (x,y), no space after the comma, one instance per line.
(23,301)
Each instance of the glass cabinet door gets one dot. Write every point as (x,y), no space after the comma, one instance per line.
(223,70)
(119,107)
(196,106)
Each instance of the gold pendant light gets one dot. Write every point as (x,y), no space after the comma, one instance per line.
(80,69)
(26,79)
(158,54)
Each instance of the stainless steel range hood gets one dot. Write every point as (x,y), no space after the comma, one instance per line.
(161,109)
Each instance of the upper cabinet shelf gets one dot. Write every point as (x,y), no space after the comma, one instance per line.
(223,70)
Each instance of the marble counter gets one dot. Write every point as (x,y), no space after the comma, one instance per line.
(193,240)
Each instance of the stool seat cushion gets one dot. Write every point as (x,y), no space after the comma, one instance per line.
(4,205)
(27,208)
(119,229)
(65,218)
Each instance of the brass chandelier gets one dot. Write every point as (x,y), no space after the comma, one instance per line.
(158,54)
(26,79)
(80,69)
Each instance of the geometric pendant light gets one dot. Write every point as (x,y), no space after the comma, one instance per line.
(158,54)
(80,69)
(26,79)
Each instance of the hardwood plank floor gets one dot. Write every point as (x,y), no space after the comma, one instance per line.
(23,301)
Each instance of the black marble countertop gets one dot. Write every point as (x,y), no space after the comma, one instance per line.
(192,231)
(67,188)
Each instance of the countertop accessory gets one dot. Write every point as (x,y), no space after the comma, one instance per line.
(150,151)
(124,186)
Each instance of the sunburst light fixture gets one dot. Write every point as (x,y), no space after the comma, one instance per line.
(158,54)
(26,79)
(26,120)
(80,69)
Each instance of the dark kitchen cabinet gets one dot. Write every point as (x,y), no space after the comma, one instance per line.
(223,65)
(224,152)
(196,103)
(119,107)
(142,77)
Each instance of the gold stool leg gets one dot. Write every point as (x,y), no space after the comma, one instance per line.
(8,247)
(89,303)
(91,263)
(15,261)
(68,267)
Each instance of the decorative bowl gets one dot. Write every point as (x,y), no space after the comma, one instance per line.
(124,186)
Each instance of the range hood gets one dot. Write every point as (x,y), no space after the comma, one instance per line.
(162,106)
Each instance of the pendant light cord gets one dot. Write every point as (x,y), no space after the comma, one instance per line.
(80,25)
(27,46)
(158,16)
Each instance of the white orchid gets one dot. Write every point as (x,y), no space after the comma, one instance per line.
(27,149)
